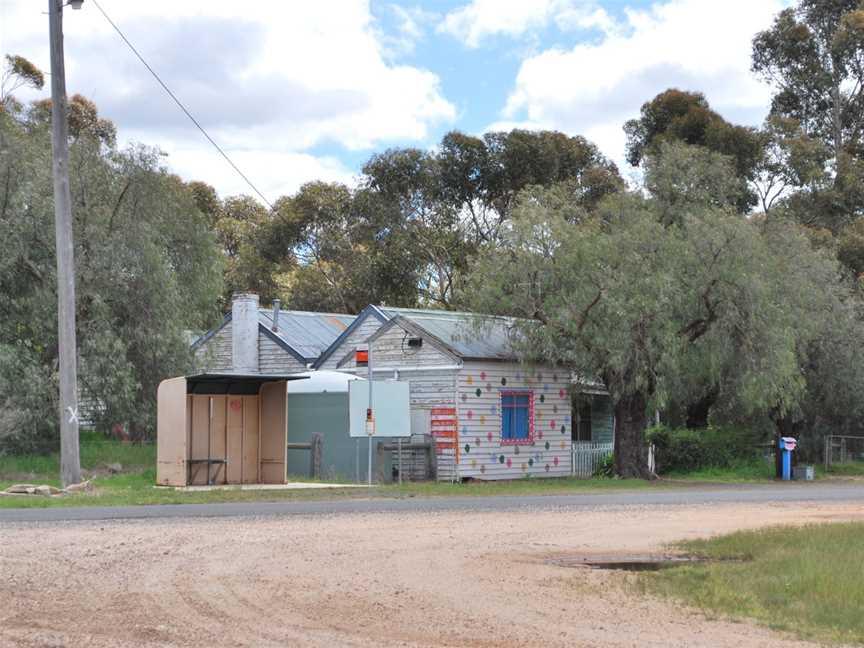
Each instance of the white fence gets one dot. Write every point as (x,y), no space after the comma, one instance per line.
(586,456)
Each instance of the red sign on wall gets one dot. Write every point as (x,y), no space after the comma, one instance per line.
(445,429)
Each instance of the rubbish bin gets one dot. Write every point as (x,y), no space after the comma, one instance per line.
(803,472)
(787,446)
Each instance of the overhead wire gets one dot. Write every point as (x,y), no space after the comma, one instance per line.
(182,107)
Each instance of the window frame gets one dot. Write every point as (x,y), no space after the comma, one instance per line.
(517,392)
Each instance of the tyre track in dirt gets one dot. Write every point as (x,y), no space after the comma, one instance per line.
(473,579)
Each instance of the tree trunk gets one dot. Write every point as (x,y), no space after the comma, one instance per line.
(698,411)
(631,453)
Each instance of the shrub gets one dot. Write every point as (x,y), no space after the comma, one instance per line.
(606,468)
(683,450)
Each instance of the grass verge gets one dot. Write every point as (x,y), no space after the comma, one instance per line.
(135,485)
(745,471)
(808,580)
(138,488)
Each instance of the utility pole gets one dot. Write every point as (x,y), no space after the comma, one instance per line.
(370,416)
(70,462)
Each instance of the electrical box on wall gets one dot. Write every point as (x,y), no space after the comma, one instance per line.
(415,342)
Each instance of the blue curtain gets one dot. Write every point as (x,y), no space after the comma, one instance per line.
(514,416)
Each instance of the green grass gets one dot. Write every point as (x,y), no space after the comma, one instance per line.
(849,469)
(759,470)
(138,488)
(136,484)
(808,580)
(96,450)
(744,471)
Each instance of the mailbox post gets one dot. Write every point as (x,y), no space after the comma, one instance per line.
(787,446)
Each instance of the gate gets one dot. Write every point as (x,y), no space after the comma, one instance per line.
(586,456)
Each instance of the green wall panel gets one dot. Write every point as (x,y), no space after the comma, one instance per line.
(327,414)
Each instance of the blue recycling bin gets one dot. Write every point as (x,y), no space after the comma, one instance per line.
(787,446)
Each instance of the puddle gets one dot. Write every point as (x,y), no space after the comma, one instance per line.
(632,563)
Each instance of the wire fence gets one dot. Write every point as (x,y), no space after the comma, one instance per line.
(840,450)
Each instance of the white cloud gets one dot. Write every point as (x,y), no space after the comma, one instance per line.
(274,173)
(411,26)
(515,18)
(269,80)
(594,87)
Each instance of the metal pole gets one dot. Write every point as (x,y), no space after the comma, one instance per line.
(371,411)
(70,463)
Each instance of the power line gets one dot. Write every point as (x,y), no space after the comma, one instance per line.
(182,107)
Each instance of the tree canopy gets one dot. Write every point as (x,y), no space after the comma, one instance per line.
(651,308)
(147,271)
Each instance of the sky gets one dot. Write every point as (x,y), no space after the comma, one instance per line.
(297,91)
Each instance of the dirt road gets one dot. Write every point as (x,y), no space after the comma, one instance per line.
(386,579)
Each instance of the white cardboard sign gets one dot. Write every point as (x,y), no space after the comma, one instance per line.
(390,408)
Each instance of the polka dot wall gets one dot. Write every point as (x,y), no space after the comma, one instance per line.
(483,453)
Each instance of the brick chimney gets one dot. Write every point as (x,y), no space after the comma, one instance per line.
(276,308)
(244,332)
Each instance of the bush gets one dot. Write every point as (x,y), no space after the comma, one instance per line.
(606,468)
(684,450)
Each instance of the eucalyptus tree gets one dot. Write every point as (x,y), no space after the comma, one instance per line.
(813,56)
(148,274)
(459,198)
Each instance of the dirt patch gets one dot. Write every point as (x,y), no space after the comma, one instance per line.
(419,579)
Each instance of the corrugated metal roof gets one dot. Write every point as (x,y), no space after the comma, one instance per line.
(307,333)
(460,331)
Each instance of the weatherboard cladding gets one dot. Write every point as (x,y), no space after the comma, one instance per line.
(458,331)
(273,358)
(483,455)
(361,332)
(474,390)
(214,352)
(433,386)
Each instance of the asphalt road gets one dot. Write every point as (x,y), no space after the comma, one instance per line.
(758,494)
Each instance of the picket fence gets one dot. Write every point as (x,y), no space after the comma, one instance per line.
(586,456)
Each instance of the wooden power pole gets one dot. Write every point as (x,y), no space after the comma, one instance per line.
(70,462)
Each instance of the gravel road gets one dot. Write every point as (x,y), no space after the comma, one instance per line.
(401,578)
(690,495)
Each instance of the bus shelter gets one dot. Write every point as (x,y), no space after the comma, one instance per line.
(222,429)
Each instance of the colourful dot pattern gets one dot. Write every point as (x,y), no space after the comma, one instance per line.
(480,429)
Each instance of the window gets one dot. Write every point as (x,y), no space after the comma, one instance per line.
(582,406)
(517,417)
